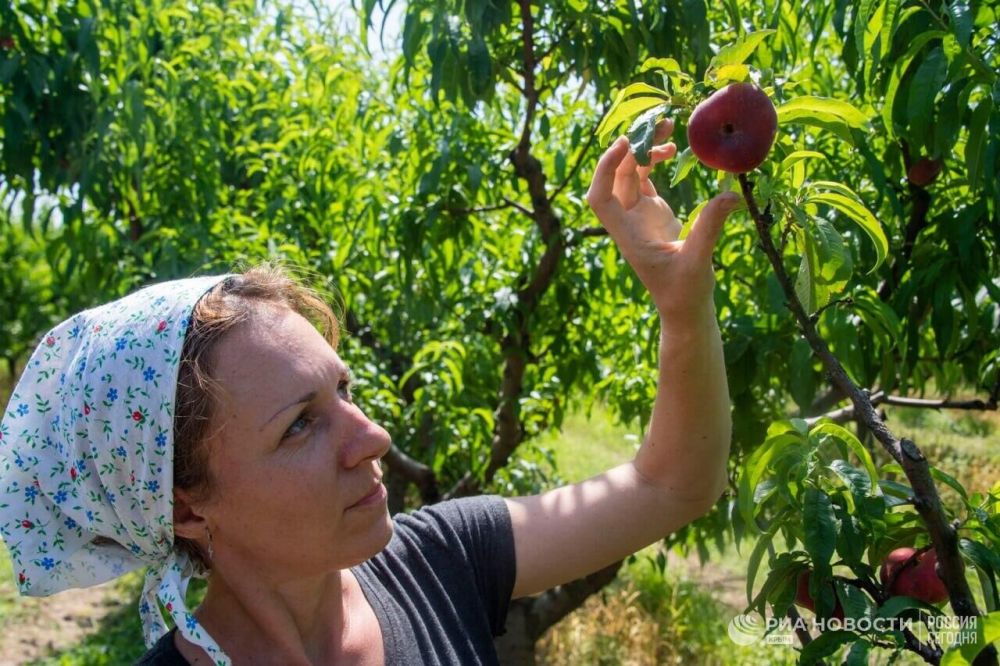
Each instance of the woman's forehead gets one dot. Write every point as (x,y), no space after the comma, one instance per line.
(277,349)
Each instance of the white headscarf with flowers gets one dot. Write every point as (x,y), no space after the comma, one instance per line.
(86,452)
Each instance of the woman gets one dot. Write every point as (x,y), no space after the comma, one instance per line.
(206,425)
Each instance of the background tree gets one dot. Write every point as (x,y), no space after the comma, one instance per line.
(440,198)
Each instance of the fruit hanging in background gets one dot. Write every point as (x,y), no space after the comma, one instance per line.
(805,600)
(924,171)
(917,577)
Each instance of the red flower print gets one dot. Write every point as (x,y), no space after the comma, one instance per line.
(21,578)
(50,341)
(86,409)
(36,484)
(72,473)
(162,326)
(97,328)
(137,416)
(170,607)
(27,524)
(131,478)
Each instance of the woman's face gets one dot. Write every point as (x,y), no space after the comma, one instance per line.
(297,483)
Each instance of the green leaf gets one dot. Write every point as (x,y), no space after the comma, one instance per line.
(819,526)
(987,563)
(757,463)
(961,20)
(753,564)
(684,163)
(660,65)
(805,285)
(797,156)
(975,146)
(847,202)
(642,133)
(924,87)
(853,443)
(622,113)
(825,645)
(896,605)
(858,654)
(808,106)
(987,633)
(737,52)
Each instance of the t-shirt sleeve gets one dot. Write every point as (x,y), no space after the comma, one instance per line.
(470,538)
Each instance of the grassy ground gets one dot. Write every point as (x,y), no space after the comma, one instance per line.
(644,617)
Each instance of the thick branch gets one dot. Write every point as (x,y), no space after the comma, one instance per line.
(905,452)
(415,472)
(508,432)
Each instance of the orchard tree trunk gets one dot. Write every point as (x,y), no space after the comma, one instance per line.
(529,618)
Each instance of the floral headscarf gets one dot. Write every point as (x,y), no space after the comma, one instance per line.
(86,456)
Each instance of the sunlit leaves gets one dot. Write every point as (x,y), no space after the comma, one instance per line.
(631,101)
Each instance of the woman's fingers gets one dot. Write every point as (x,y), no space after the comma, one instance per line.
(656,155)
(601,195)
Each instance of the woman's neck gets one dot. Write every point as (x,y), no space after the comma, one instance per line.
(301,621)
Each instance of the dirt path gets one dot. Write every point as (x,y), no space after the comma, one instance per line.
(40,626)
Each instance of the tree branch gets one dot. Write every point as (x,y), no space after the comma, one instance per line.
(845,414)
(905,452)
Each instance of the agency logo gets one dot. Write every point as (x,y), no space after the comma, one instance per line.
(747,629)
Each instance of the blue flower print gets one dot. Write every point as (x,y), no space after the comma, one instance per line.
(189,621)
(75,333)
(70,524)
(22,409)
(161,439)
(111,497)
(149,374)
(121,451)
(144,607)
(120,344)
(80,463)
(90,516)
(112,394)
(48,563)
(152,486)
(60,496)
(135,549)
(30,493)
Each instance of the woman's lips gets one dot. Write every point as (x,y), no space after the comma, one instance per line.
(375,497)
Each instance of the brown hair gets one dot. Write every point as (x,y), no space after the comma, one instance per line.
(230,303)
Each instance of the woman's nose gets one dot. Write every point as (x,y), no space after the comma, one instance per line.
(368,441)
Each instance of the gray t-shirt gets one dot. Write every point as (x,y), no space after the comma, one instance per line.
(440,589)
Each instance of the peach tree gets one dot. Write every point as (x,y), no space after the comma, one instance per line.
(841,516)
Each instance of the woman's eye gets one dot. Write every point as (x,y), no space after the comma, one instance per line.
(344,388)
(298,425)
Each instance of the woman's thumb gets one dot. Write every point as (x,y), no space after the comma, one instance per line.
(708,227)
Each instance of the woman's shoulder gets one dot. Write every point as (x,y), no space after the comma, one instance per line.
(163,653)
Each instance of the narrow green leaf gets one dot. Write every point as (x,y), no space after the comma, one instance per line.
(753,564)
(660,64)
(853,443)
(853,208)
(622,113)
(961,20)
(824,645)
(926,84)
(987,564)
(797,156)
(739,51)
(807,106)
(858,654)
(896,605)
(642,133)
(684,163)
(975,146)
(819,527)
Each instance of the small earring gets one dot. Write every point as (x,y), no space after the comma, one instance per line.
(211,553)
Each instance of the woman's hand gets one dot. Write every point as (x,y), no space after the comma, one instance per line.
(677,274)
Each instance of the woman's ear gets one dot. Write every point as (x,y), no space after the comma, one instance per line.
(188,522)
